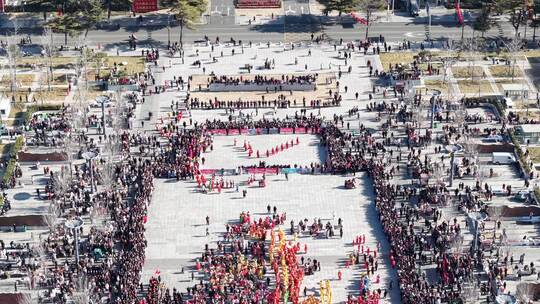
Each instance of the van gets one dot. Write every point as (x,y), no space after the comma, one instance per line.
(503,158)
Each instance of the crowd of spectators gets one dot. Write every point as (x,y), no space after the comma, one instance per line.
(263,80)
(195,103)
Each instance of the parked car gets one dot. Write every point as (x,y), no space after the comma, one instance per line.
(498,191)
(523,195)
(503,158)
(102,100)
(493,139)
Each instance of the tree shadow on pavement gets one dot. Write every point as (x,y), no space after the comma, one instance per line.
(123,46)
(290,24)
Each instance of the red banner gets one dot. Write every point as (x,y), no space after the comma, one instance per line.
(459,13)
(258,3)
(218,132)
(262,170)
(301,130)
(145,6)
(359,19)
(244,131)
(234,132)
(285,130)
(208,171)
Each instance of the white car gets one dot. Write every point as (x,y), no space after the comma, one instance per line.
(493,138)
(105,100)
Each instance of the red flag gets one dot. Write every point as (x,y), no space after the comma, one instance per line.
(358,18)
(459,13)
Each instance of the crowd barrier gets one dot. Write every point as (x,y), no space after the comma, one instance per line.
(263,131)
(262,170)
(272,170)
(258,3)
(253,87)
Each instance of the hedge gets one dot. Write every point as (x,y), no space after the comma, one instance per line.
(537,194)
(522,160)
(30,110)
(12,164)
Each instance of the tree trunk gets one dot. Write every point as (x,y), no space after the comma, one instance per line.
(65,38)
(534,34)
(109,10)
(367,25)
(181,35)
(182,40)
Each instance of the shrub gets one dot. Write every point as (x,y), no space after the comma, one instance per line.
(30,110)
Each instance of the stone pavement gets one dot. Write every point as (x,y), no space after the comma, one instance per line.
(176,230)
(226,155)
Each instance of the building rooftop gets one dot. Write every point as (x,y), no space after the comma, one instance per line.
(529,128)
(515,87)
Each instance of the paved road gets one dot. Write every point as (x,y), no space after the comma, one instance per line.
(278,32)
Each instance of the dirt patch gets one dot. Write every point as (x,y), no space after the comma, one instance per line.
(22,79)
(394,58)
(467,72)
(439,85)
(505,71)
(321,91)
(468,87)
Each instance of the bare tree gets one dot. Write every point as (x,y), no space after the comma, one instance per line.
(470,294)
(67,148)
(81,70)
(47,42)
(523,292)
(107,175)
(24,298)
(51,218)
(13,53)
(457,245)
(459,115)
(495,213)
(513,47)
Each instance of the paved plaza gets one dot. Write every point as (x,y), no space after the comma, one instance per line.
(323,60)
(453,221)
(228,156)
(176,228)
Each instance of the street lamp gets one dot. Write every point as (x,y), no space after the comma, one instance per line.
(89,157)
(75,224)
